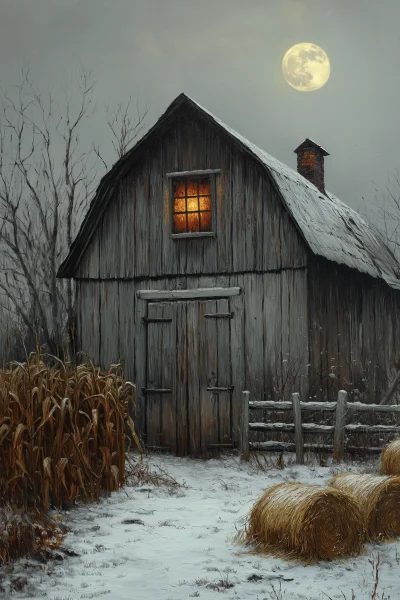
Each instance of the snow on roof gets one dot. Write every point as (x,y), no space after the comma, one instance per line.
(309,142)
(331,228)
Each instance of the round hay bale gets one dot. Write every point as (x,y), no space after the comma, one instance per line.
(305,521)
(379,499)
(390,459)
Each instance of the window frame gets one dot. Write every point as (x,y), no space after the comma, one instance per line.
(198,174)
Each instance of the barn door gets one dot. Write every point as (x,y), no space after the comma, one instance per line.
(214,373)
(160,402)
(188,375)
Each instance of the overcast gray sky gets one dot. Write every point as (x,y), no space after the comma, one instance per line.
(227,55)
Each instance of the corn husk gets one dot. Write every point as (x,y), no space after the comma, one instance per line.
(305,521)
(63,432)
(379,499)
(390,459)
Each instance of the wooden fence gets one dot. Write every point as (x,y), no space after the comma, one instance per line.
(341,407)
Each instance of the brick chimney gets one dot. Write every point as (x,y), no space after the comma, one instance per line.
(310,163)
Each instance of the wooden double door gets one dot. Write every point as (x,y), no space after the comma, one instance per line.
(188,389)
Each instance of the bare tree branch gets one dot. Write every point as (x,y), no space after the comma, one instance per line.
(123,127)
(47,179)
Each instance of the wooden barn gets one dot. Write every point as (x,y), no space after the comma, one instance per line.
(209,267)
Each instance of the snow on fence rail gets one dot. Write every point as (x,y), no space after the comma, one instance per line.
(341,407)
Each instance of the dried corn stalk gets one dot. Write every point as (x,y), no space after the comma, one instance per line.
(63,432)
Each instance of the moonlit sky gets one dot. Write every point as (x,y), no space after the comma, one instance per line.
(227,55)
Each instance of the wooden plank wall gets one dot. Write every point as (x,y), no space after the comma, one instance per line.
(271,308)
(253,231)
(354,332)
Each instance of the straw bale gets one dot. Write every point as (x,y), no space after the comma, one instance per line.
(379,499)
(305,521)
(390,459)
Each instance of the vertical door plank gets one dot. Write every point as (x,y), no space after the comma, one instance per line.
(154,375)
(193,377)
(168,401)
(224,374)
(180,386)
(208,370)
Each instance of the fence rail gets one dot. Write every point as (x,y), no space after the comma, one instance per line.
(341,407)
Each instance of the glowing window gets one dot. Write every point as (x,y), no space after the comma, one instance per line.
(191,205)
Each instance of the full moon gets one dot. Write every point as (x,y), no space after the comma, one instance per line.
(306,67)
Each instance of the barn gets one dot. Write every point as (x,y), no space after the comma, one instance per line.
(208,267)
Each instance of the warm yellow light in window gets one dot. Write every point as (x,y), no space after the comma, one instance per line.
(180,223)
(191,205)
(179,205)
(205,203)
(191,188)
(205,221)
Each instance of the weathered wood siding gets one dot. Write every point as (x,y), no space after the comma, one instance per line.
(268,335)
(354,332)
(253,230)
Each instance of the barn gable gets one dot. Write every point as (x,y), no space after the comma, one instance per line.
(329,228)
(251,230)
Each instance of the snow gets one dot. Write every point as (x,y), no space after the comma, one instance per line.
(181,543)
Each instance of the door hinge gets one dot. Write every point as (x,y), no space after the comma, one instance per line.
(230,388)
(219,315)
(156,391)
(156,320)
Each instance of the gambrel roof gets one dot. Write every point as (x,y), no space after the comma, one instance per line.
(330,228)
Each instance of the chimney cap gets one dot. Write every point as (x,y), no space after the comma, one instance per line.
(311,144)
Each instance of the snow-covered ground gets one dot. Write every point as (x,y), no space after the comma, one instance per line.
(179,544)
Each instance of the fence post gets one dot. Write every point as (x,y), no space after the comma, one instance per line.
(244,427)
(341,409)
(298,431)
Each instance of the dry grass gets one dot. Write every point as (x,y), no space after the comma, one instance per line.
(304,521)
(379,499)
(390,459)
(141,473)
(62,432)
(22,534)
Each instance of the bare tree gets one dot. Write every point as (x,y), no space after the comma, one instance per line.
(46,182)
(387,218)
(388,212)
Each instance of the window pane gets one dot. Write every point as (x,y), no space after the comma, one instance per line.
(180,223)
(205,221)
(193,222)
(179,188)
(191,188)
(179,205)
(204,187)
(192,204)
(205,203)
